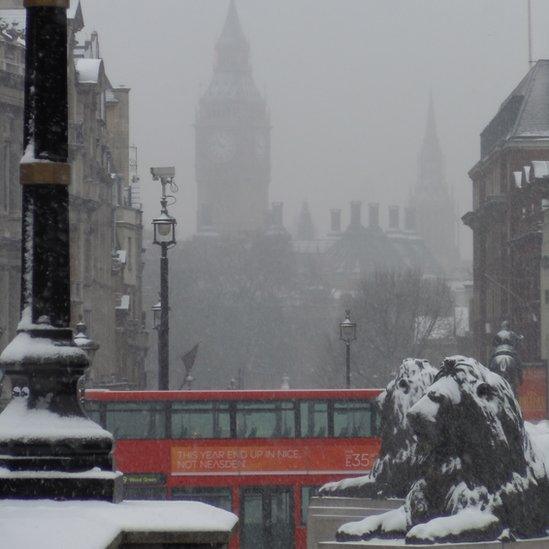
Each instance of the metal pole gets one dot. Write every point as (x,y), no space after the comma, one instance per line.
(164,329)
(348,365)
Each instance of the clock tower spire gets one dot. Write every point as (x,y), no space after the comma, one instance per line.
(232,136)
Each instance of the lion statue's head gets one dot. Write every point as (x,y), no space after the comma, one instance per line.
(395,469)
(479,473)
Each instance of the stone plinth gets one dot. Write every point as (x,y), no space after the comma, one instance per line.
(48,524)
(327,514)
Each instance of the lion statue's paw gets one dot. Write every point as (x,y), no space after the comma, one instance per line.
(469,524)
(383,525)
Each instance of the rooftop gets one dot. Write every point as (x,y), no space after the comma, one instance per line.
(525,112)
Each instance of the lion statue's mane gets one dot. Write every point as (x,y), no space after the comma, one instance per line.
(481,478)
(396,466)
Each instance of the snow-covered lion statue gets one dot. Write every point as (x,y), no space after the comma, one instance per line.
(481,477)
(396,466)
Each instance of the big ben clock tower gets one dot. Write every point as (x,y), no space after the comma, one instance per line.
(232,141)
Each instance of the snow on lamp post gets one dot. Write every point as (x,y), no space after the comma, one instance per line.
(164,236)
(347,334)
(48,446)
(84,342)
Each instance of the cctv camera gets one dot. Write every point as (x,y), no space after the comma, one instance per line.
(161,173)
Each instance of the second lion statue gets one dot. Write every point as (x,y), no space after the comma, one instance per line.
(481,478)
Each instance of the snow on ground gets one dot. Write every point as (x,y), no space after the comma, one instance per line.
(539,435)
(94,524)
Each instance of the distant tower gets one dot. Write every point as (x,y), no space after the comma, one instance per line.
(233,145)
(305,226)
(432,203)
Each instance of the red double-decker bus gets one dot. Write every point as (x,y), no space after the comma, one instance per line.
(259,454)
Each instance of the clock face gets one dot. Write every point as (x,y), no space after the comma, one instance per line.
(221,146)
(260,146)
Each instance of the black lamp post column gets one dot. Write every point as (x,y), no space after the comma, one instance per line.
(164,329)
(42,361)
(164,236)
(348,365)
(347,334)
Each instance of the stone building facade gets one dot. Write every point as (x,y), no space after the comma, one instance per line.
(12,67)
(106,227)
(507,218)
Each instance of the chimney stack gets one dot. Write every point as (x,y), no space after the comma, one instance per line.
(394,222)
(373,214)
(356,208)
(410,219)
(335,221)
(277,214)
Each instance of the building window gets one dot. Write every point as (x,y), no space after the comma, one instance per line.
(546,297)
(5,178)
(205,215)
(130,254)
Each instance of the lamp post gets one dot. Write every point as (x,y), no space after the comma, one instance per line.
(54,461)
(347,334)
(164,236)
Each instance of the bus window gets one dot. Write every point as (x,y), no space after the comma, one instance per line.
(200,420)
(136,419)
(218,497)
(92,411)
(352,419)
(314,419)
(144,492)
(265,420)
(307,492)
(151,486)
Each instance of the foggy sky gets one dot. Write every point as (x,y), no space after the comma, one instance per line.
(347,83)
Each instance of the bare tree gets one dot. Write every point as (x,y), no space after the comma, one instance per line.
(399,314)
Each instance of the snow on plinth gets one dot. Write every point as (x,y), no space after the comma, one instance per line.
(18,422)
(24,347)
(94,525)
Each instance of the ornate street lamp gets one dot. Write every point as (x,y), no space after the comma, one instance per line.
(164,236)
(164,229)
(347,334)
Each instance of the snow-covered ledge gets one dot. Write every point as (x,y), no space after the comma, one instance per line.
(533,543)
(99,525)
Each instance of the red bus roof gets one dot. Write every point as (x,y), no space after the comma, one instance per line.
(106,395)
